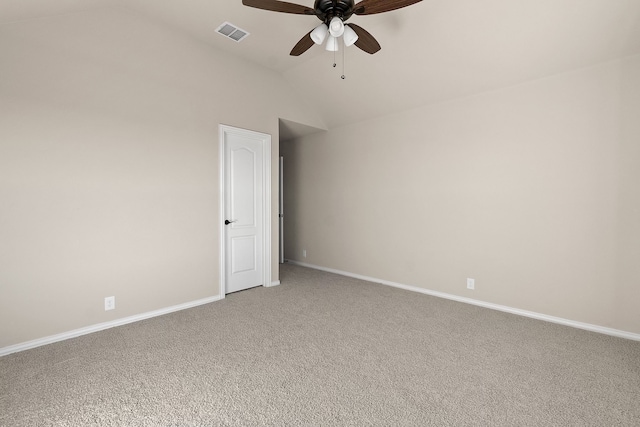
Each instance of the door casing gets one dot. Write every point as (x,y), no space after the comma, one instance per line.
(265,139)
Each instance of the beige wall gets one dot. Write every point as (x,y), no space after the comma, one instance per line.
(531,190)
(109,166)
(628,243)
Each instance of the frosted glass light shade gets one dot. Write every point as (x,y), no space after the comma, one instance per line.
(319,33)
(350,36)
(336,27)
(332,44)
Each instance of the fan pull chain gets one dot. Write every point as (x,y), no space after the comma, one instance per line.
(334,59)
(343,49)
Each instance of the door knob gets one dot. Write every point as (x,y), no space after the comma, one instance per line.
(227,222)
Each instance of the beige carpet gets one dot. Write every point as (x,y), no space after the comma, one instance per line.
(324,350)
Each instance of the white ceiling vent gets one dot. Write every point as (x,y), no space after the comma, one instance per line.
(232,32)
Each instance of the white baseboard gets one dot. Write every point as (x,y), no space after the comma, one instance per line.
(274,283)
(102,326)
(525,313)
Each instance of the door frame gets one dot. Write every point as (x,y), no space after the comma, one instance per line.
(265,139)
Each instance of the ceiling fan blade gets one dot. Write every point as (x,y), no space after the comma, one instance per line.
(279,6)
(365,41)
(303,45)
(369,7)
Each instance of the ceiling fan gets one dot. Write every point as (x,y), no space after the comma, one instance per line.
(333,14)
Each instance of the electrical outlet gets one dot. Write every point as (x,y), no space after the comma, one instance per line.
(109,303)
(471,284)
(304,253)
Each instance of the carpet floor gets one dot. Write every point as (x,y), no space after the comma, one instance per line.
(327,350)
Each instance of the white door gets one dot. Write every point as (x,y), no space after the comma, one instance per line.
(244,210)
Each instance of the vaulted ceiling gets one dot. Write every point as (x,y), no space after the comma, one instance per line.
(433,51)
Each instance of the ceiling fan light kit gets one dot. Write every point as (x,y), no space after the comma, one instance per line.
(319,33)
(332,44)
(336,27)
(349,36)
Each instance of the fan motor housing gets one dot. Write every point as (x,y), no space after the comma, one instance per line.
(330,8)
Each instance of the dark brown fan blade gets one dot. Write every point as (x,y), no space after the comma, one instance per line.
(369,7)
(365,41)
(279,6)
(303,45)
